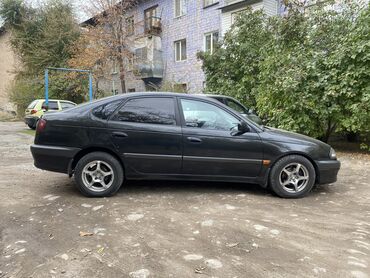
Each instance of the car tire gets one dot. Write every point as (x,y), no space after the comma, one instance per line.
(292,176)
(98,174)
(32,126)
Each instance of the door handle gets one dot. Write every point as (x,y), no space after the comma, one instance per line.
(119,134)
(194,139)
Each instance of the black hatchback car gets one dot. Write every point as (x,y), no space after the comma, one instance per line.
(170,136)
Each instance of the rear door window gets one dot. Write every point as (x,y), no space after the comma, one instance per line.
(149,110)
(106,110)
(53,105)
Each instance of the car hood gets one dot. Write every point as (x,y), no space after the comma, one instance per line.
(280,135)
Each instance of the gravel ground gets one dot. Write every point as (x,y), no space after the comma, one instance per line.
(174,229)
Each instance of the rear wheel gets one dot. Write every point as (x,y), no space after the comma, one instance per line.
(292,176)
(98,174)
(32,126)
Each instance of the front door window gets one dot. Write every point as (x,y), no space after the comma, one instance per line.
(207,116)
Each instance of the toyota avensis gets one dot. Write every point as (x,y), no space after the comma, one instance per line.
(170,136)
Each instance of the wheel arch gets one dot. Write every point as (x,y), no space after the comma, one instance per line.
(300,154)
(91,149)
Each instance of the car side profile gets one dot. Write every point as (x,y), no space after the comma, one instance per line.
(170,136)
(38,107)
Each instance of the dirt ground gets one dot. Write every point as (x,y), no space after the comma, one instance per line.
(174,229)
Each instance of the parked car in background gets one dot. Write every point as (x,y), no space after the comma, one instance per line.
(238,107)
(37,108)
(176,137)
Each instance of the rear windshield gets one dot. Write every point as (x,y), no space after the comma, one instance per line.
(32,104)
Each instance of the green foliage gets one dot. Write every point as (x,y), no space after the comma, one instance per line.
(305,72)
(233,68)
(12,12)
(23,91)
(42,37)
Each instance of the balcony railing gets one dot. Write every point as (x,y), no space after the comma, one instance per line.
(152,25)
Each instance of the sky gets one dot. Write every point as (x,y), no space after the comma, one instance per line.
(79,7)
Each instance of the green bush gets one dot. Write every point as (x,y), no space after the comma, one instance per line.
(305,72)
(23,91)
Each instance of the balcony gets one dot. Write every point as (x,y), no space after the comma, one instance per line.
(152,25)
(148,63)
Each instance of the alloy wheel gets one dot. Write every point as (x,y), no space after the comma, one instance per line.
(97,176)
(294,177)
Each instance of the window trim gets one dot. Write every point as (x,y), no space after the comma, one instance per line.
(174,8)
(175,103)
(175,50)
(204,40)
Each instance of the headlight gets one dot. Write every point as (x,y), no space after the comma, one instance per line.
(332,154)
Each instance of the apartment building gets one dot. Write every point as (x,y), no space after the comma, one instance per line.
(168,34)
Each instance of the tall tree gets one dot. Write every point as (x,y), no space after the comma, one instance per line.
(109,32)
(307,71)
(42,37)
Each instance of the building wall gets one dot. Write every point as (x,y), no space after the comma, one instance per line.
(192,26)
(8,63)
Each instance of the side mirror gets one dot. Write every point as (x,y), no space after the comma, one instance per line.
(242,128)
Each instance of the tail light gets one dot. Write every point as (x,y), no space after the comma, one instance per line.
(33,111)
(41,124)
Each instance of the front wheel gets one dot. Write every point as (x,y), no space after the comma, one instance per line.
(98,174)
(292,176)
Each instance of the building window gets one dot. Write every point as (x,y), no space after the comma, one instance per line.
(180,50)
(130,27)
(180,7)
(130,62)
(207,3)
(151,18)
(131,90)
(210,41)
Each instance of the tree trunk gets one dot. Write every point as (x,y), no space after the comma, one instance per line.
(122,77)
(329,130)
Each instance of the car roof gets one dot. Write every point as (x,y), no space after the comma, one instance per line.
(52,99)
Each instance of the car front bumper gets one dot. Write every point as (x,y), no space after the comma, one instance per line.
(327,171)
(53,158)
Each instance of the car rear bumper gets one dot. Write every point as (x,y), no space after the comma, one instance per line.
(31,121)
(327,171)
(53,158)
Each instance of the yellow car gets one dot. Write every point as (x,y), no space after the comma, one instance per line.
(37,108)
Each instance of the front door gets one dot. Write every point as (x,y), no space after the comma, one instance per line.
(209,149)
(148,138)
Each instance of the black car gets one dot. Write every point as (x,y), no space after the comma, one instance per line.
(170,136)
(238,107)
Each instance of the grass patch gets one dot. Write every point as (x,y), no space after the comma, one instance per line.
(29,132)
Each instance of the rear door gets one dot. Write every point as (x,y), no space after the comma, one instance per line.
(209,148)
(147,135)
